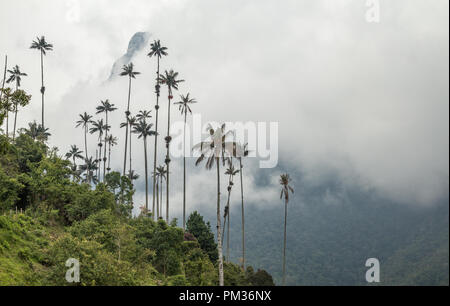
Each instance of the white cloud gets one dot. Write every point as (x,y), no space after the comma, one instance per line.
(369,101)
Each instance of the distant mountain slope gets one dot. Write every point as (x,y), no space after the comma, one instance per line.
(329,244)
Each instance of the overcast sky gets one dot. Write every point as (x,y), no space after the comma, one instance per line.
(368,101)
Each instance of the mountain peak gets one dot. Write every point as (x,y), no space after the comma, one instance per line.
(137,42)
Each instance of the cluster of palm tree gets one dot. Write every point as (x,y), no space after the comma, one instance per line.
(218,151)
(12,100)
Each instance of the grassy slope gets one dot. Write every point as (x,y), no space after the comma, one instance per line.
(22,240)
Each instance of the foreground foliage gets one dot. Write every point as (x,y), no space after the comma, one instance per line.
(48,216)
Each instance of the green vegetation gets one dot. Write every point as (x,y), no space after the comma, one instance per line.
(48,216)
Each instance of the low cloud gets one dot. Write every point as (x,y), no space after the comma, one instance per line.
(366,102)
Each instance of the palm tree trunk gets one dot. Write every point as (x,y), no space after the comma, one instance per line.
(219,232)
(1,92)
(161,199)
(96,159)
(184,173)
(243,215)
(130,173)
(15,120)
(15,115)
(99,158)
(157,200)
(130,166)
(7,123)
(7,119)
(109,157)
(75,167)
(85,140)
(42,87)
(156,135)
(284,246)
(4,76)
(228,228)
(104,155)
(225,224)
(126,132)
(146,174)
(168,157)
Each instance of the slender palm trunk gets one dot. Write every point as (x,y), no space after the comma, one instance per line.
(4,76)
(109,157)
(16,105)
(161,199)
(284,245)
(184,173)
(146,174)
(168,157)
(243,215)
(156,135)
(228,227)
(130,166)
(99,157)
(126,132)
(104,154)
(42,86)
(85,141)
(96,159)
(227,216)
(219,231)
(7,123)
(157,200)
(75,167)
(1,92)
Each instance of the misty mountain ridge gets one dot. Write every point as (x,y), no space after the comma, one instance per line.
(137,43)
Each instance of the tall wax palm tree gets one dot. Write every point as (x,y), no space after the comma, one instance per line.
(105,107)
(128,70)
(112,141)
(231,172)
(285,180)
(243,153)
(158,51)
(15,76)
(42,46)
(90,166)
(184,107)
(213,150)
(143,130)
(143,115)
(74,153)
(84,121)
(99,127)
(171,81)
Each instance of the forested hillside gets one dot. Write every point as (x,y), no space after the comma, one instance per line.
(328,244)
(48,216)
